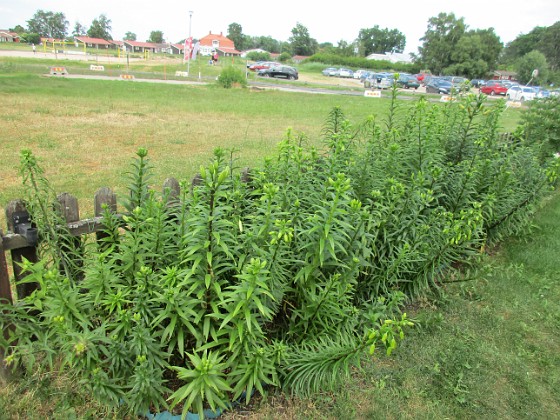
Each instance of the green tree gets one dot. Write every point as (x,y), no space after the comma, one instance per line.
(439,41)
(524,66)
(18,29)
(79,29)
(378,41)
(523,44)
(235,33)
(258,56)
(301,42)
(129,36)
(476,54)
(31,38)
(156,37)
(48,24)
(100,28)
(550,45)
(344,49)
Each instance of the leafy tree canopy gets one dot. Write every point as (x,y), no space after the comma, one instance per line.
(541,38)
(129,36)
(235,33)
(79,29)
(266,43)
(378,41)
(475,54)
(100,28)
(534,60)
(48,24)
(18,29)
(301,42)
(156,37)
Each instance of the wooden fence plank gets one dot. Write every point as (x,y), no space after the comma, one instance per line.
(5,288)
(28,252)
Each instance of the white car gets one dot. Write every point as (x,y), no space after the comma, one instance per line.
(358,73)
(342,72)
(521,93)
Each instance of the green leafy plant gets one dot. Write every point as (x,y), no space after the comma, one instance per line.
(230,77)
(282,279)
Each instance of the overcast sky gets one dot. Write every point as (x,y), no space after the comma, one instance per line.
(327,21)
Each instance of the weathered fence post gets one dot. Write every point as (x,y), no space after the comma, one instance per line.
(104,197)
(28,252)
(5,297)
(71,247)
(5,288)
(171,191)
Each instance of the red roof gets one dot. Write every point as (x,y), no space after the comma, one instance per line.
(223,42)
(88,40)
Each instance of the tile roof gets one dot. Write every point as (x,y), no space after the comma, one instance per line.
(89,40)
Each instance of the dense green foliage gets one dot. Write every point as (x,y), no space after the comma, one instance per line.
(380,41)
(449,48)
(231,76)
(362,63)
(539,126)
(280,278)
(48,24)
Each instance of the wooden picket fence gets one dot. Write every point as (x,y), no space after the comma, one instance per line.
(21,246)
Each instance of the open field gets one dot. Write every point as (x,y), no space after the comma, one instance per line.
(86,131)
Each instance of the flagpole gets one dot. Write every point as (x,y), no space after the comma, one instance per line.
(190,52)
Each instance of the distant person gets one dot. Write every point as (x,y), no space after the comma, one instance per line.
(34,49)
(215,58)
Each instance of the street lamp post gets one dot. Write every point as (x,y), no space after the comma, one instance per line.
(190,52)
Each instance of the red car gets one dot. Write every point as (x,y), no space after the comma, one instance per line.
(260,65)
(493,88)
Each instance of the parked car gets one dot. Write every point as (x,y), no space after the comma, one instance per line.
(358,73)
(460,83)
(260,65)
(441,86)
(285,72)
(492,87)
(408,82)
(342,72)
(330,71)
(423,77)
(477,83)
(521,93)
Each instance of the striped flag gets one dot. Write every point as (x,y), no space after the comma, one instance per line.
(188,48)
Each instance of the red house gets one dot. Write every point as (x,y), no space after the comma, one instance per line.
(212,43)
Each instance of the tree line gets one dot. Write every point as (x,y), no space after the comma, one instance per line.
(448,45)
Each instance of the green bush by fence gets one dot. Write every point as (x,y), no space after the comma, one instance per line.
(281,280)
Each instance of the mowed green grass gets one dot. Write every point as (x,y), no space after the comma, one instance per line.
(85,132)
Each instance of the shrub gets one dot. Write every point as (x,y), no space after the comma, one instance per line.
(231,77)
(280,281)
(540,125)
(258,56)
(284,57)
